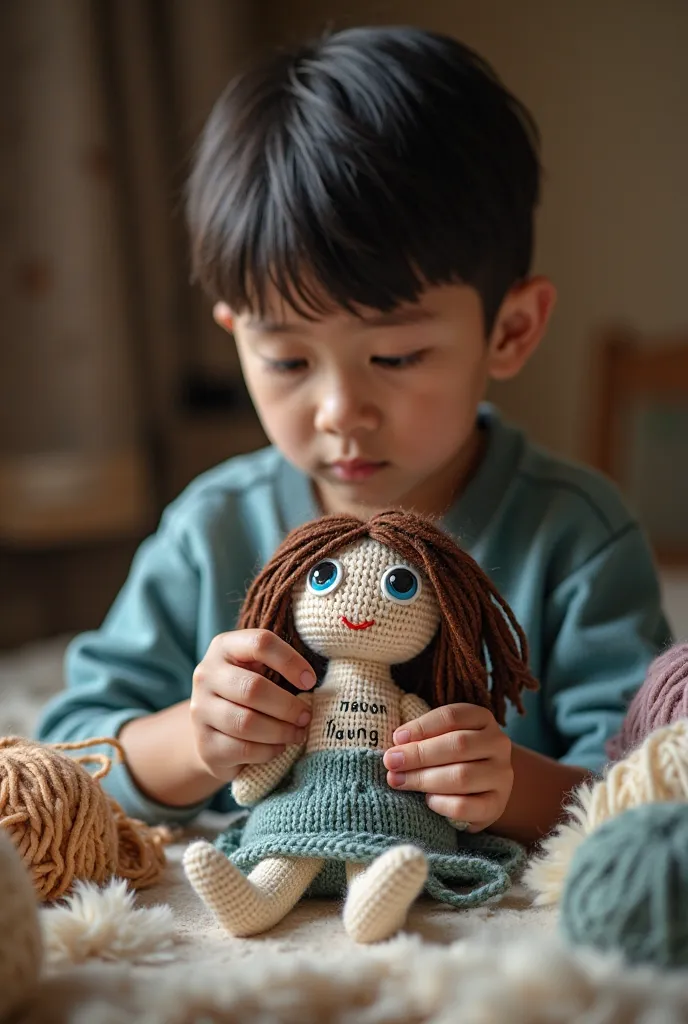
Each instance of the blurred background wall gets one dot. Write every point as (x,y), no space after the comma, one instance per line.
(115,386)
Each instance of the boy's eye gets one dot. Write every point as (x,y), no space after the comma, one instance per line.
(400,584)
(398,362)
(286,365)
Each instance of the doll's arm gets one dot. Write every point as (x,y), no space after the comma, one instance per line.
(255,781)
(412,706)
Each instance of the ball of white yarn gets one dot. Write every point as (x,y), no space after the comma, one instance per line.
(657,771)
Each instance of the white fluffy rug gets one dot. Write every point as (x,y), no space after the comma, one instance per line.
(501,963)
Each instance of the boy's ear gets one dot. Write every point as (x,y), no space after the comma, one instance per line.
(520,326)
(222,315)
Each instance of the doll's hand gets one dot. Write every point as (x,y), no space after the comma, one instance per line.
(238,716)
(459,756)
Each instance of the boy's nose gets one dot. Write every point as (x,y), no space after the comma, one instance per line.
(340,410)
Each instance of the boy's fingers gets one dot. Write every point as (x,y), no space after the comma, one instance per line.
(480,810)
(225,751)
(450,780)
(447,749)
(252,690)
(266,648)
(448,718)
(247,725)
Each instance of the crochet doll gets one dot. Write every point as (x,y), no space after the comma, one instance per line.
(394,617)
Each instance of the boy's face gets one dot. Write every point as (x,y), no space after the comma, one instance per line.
(379,410)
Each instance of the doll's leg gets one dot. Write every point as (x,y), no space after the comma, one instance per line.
(247,906)
(380,895)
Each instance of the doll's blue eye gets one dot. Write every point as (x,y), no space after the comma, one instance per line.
(325,576)
(400,584)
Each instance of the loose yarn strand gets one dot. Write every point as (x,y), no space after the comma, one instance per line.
(102,759)
(473,611)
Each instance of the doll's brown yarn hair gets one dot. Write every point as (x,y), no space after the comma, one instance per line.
(63,824)
(475,618)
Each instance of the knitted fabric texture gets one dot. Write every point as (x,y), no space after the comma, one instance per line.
(355,710)
(662,699)
(368,625)
(337,805)
(247,907)
(627,890)
(376,906)
(358,705)
(380,896)
(64,825)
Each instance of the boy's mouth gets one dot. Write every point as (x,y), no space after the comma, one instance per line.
(358,625)
(355,469)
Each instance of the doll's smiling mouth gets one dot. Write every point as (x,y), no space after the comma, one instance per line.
(358,625)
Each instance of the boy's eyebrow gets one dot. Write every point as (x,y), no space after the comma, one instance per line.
(266,326)
(395,317)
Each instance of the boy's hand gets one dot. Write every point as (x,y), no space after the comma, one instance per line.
(460,758)
(238,716)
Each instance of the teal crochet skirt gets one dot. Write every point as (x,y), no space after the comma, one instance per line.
(338,805)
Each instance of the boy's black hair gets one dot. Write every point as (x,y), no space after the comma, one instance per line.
(354,171)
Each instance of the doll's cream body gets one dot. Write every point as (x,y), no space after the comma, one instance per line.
(357,706)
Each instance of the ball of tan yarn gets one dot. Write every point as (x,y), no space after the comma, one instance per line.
(63,824)
(655,772)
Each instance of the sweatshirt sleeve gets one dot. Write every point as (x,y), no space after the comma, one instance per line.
(604,626)
(140,661)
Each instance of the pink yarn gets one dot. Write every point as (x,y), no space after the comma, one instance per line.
(663,698)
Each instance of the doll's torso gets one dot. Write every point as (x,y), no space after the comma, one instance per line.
(357,705)
(336,803)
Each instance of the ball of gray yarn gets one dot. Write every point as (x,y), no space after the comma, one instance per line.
(627,888)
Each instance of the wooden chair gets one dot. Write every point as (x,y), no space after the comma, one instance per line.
(633,369)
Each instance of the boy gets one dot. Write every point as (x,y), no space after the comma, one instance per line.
(361,211)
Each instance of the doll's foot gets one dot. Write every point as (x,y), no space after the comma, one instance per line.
(20,936)
(379,897)
(247,906)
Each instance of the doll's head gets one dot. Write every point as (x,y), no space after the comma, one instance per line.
(366,602)
(411,598)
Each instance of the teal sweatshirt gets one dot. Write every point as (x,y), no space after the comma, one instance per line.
(555,538)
